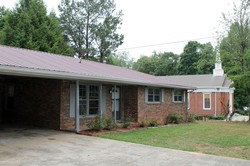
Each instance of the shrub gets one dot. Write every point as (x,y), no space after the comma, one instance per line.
(142,124)
(95,124)
(190,118)
(241,112)
(126,124)
(153,123)
(175,118)
(197,117)
(216,117)
(109,124)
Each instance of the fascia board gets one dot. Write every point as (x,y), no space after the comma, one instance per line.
(40,73)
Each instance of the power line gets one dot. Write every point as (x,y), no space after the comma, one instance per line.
(153,45)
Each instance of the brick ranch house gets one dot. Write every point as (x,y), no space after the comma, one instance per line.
(213,95)
(59,92)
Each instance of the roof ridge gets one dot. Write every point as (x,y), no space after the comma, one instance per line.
(38,51)
(186,75)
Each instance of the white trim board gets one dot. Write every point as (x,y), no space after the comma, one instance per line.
(229,90)
(42,73)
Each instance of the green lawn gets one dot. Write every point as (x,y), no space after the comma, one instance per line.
(213,137)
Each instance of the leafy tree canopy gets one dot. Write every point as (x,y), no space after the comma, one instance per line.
(91,26)
(29,26)
(159,64)
(121,59)
(197,58)
(235,51)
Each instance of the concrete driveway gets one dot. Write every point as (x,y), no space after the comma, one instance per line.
(21,146)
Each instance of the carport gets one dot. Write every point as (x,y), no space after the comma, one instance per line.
(30,101)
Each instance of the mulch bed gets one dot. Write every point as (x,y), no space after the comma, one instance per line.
(117,130)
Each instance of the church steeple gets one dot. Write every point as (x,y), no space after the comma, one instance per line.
(218,71)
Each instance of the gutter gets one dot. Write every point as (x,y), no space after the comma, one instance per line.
(41,73)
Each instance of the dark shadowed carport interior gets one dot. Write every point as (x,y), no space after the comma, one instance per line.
(30,101)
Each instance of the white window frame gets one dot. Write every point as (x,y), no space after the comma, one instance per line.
(161,93)
(209,102)
(88,99)
(182,95)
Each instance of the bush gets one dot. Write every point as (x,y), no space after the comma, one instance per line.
(241,112)
(142,124)
(153,123)
(95,124)
(126,124)
(109,124)
(175,118)
(216,117)
(190,118)
(197,117)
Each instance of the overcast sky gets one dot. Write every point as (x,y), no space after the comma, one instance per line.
(162,22)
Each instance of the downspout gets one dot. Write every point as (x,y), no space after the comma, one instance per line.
(77,119)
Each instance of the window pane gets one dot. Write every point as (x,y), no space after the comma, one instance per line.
(157,91)
(207,103)
(82,108)
(154,94)
(150,91)
(157,98)
(150,98)
(93,92)
(93,111)
(178,96)
(207,100)
(82,92)
(93,107)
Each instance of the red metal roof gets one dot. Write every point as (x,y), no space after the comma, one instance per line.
(24,62)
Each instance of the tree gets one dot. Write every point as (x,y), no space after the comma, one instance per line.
(160,64)
(205,64)
(91,27)
(121,59)
(29,26)
(3,14)
(167,64)
(235,49)
(197,59)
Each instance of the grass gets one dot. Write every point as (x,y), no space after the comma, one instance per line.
(212,137)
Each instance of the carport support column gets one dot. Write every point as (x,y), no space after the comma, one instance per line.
(230,102)
(115,102)
(100,100)
(77,118)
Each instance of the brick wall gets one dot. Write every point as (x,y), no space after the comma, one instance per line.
(132,105)
(219,102)
(129,102)
(36,102)
(159,112)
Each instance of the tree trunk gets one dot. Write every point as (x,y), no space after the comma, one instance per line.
(101,56)
(87,38)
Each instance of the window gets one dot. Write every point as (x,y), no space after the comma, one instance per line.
(153,95)
(206,101)
(88,100)
(178,96)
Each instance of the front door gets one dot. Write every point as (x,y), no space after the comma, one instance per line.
(116,103)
